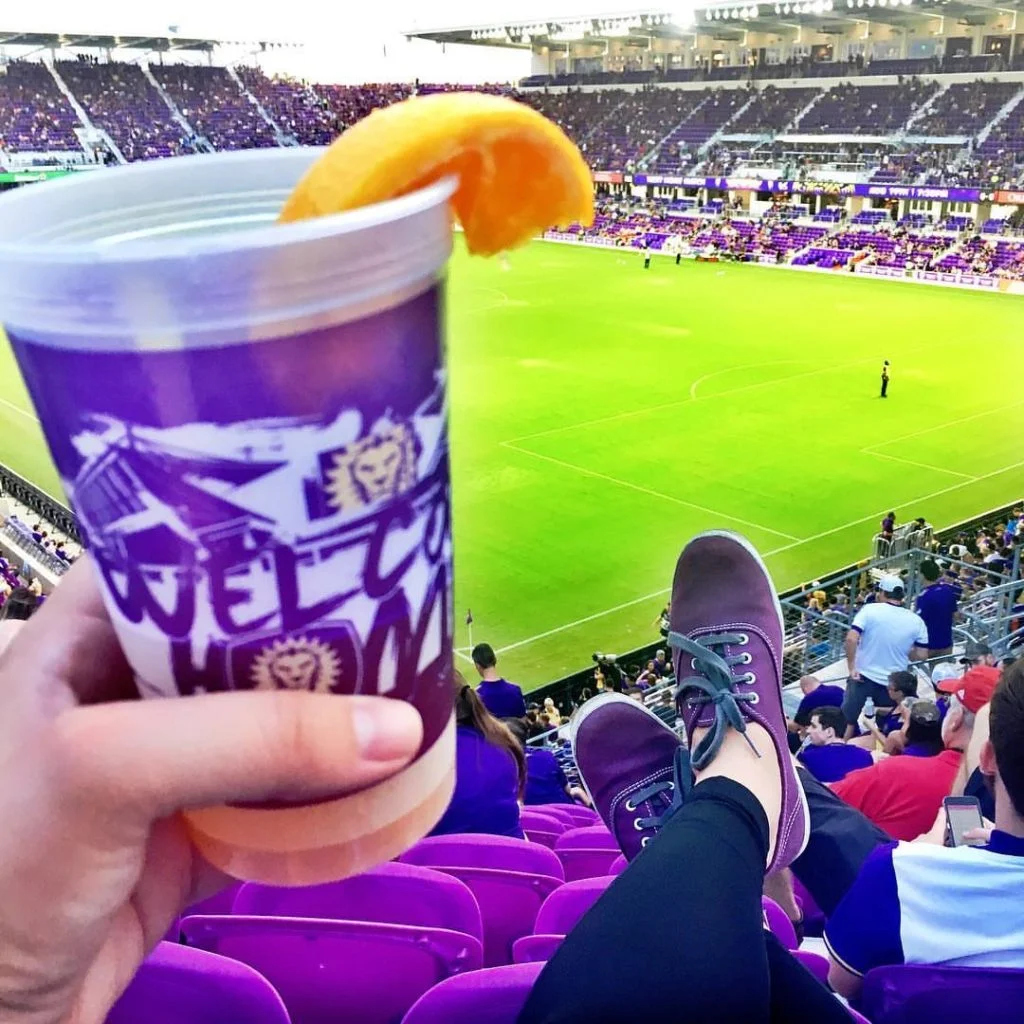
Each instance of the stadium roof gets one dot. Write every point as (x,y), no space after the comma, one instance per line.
(60,40)
(725,20)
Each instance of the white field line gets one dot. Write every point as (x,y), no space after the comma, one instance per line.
(647,490)
(920,465)
(870,449)
(765,554)
(644,410)
(18,409)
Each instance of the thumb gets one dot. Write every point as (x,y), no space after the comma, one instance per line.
(147,759)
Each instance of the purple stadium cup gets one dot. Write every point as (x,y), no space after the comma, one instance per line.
(250,420)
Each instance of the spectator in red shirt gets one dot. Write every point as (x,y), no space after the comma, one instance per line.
(902,795)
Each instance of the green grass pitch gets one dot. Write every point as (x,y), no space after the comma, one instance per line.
(602,414)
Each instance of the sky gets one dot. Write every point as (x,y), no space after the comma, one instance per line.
(352,41)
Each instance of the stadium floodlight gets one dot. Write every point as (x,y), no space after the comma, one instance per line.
(778,8)
(684,18)
(819,6)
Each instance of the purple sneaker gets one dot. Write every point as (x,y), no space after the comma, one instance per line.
(634,766)
(726,641)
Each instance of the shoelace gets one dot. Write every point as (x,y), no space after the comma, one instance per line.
(715,686)
(670,793)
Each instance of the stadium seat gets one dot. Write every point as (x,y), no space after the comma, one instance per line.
(493,996)
(778,923)
(586,863)
(177,984)
(592,837)
(509,902)
(390,894)
(558,915)
(942,995)
(482,851)
(327,971)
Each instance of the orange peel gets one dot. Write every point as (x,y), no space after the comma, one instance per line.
(518,173)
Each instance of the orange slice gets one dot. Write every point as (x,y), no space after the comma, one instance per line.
(518,172)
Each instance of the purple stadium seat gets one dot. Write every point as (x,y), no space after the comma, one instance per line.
(618,865)
(583,816)
(542,827)
(176,984)
(563,812)
(494,996)
(328,971)
(592,837)
(389,894)
(544,820)
(536,835)
(509,902)
(814,917)
(584,863)
(479,851)
(778,923)
(558,915)
(531,949)
(814,962)
(942,995)
(219,903)
(562,910)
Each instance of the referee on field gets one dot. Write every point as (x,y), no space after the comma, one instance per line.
(885,379)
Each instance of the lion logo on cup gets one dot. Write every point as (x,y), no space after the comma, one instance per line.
(296,663)
(376,467)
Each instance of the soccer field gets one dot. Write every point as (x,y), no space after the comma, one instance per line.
(602,414)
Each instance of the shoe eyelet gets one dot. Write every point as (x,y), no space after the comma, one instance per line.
(747,658)
(755,698)
(637,825)
(644,841)
(743,639)
(671,786)
(750,678)
(631,807)
(693,664)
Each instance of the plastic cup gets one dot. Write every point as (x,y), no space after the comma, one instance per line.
(250,421)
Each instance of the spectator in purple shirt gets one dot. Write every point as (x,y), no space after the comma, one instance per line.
(829,757)
(490,772)
(546,782)
(502,698)
(937,604)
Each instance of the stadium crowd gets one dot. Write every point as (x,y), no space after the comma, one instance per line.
(786,233)
(975,129)
(665,790)
(718,799)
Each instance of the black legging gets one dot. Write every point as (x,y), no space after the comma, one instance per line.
(679,936)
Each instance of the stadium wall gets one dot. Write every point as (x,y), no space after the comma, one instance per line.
(974,282)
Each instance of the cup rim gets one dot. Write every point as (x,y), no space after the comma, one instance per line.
(273,235)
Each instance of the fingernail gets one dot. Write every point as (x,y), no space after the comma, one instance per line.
(386,729)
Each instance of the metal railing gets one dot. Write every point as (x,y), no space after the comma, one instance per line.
(38,501)
(24,542)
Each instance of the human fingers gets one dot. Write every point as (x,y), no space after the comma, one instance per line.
(136,761)
(978,835)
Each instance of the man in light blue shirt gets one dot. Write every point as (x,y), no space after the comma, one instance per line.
(883,639)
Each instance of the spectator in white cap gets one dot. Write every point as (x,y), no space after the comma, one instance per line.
(883,639)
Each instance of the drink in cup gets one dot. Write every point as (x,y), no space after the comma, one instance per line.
(250,420)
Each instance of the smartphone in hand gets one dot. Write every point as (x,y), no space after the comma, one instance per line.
(962,814)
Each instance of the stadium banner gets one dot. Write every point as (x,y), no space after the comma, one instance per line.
(611,177)
(844,188)
(871,271)
(1009,197)
(20,177)
(960,280)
